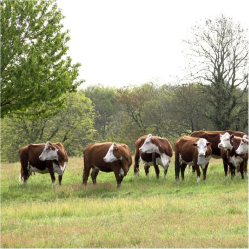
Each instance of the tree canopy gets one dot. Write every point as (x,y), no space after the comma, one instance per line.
(219,60)
(35,72)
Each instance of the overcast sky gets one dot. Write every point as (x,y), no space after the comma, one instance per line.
(121,42)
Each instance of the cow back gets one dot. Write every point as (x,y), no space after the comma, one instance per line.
(184,147)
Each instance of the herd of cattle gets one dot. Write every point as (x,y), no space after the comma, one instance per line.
(195,150)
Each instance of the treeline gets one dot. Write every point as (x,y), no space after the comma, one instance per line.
(101,113)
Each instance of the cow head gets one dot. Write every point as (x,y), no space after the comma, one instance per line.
(149,146)
(202,146)
(113,154)
(243,147)
(225,141)
(49,152)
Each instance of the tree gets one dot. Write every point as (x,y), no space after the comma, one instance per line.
(34,67)
(103,99)
(73,127)
(219,61)
(188,108)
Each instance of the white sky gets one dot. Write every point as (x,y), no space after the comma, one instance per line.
(122,42)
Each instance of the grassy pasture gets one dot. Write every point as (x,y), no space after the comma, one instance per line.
(142,213)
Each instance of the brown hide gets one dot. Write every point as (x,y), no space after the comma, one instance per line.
(185,147)
(29,155)
(214,138)
(163,145)
(147,157)
(93,159)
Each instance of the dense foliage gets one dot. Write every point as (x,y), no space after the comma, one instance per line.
(35,71)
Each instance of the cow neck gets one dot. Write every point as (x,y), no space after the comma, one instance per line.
(232,152)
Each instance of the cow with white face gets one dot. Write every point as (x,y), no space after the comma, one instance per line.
(160,146)
(106,157)
(225,141)
(43,158)
(243,146)
(192,151)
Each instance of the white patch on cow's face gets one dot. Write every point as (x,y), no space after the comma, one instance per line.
(243,147)
(109,157)
(225,142)
(48,153)
(202,146)
(148,146)
(202,160)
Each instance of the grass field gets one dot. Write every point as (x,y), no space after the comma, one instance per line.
(142,213)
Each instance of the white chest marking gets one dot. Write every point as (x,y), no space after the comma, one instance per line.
(235,160)
(203,161)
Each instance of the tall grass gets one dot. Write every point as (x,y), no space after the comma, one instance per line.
(142,213)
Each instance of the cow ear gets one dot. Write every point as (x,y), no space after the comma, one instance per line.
(115,147)
(232,136)
(195,144)
(207,143)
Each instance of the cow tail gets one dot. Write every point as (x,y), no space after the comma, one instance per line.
(177,166)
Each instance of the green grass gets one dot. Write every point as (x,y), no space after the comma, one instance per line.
(142,213)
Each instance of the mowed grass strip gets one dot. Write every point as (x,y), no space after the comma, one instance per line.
(142,213)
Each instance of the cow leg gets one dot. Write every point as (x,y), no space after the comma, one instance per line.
(155,165)
(157,171)
(136,165)
(147,170)
(24,172)
(49,165)
(242,170)
(204,172)
(232,169)
(177,169)
(60,179)
(183,167)
(165,172)
(197,167)
(94,174)
(225,163)
(119,174)
(86,172)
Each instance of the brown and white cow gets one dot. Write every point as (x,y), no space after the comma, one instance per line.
(214,138)
(106,157)
(229,144)
(192,151)
(161,149)
(43,158)
(149,159)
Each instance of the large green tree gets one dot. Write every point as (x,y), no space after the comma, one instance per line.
(219,56)
(35,71)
